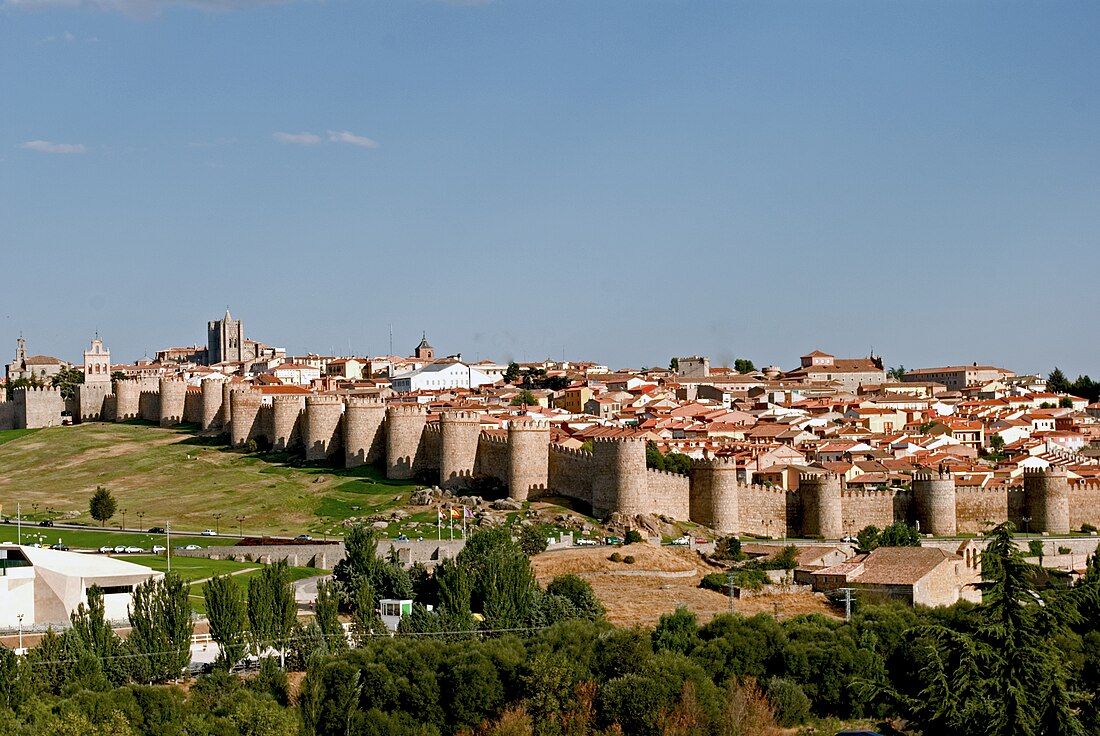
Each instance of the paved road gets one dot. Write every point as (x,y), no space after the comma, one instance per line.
(305,590)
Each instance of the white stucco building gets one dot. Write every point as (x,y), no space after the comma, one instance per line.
(440,376)
(46,585)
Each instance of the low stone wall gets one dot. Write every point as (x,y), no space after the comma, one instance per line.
(325,556)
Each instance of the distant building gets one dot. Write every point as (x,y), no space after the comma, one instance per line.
(97,363)
(924,576)
(850,373)
(424,351)
(439,376)
(956,378)
(41,367)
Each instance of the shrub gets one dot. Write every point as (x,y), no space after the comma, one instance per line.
(615,557)
(1088,528)
(629,559)
(790,704)
(1064,550)
(633,537)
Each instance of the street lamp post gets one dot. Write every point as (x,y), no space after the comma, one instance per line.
(240,526)
(141,517)
(123,527)
(1025,519)
(217,523)
(20,617)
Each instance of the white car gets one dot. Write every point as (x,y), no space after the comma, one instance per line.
(134,550)
(120,549)
(157,549)
(585,542)
(106,550)
(189,547)
(682,541)
(209,533)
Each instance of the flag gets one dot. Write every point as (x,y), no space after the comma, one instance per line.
(466,513)
(442,516)
(455,513)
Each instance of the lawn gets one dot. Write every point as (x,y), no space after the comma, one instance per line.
(201,569)
(10,435)
(174,474)
(81,539)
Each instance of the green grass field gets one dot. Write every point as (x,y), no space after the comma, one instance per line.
(201,569)
(80,539)
(174,474)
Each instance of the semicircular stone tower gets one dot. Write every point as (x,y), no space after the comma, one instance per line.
(404,428)
(459,432)
(821,505)
(321,433)
(173,398)
(528,459)
(714,500)
(620,483)
(364,436)
(211,404)
(127,400)
(285,413)
(227,406)
(1046,491)
(246,405)
(934,494)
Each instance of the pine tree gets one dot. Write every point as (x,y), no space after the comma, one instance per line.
(102,505)
(272,609)
(1057,383)
(326,609)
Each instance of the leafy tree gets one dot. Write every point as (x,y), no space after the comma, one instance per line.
(677,631)
(272,609)
(102,505)
(579,593)
(117,376)
(365,616)
(673,462)
(225,610)
(93,638)
(67,379)
(897,373)
(729,548)
(31,381)
(788,701)
(532,539)
(326,609)
(160,628)
(633,536)
(743,365)
(1057,383)
(899,534)
(674,364)
(1065,402)
(525,398)
(455,590)
(868,538)
(511,374)
(997,444)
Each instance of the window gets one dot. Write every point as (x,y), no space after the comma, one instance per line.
(115,589)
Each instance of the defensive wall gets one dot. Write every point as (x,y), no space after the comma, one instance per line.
(453,451)
(325,556)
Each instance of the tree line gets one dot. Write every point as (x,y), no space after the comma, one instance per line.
(1026,662)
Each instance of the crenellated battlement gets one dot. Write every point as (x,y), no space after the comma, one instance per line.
(928,476)
(874,493)
(571,452)
(817,477)
(460,417)
(718,462)
(617,440)
(38,391)
(1051,472)
(666,474)
(323,400)
(287,401)
(528,425)
(247,398)
(406,410)
(490,439)
(366,402)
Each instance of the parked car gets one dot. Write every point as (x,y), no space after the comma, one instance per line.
(106,550)
(46,522)
(300,537)
(402,538)
(682,541)
(157,549)
(134,550)
(60,546)
(585,542)
(849,539)
(189,547)
(156,530)
(613,540)
(209,533)
(120,549)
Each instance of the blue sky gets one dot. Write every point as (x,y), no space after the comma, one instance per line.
(618,181)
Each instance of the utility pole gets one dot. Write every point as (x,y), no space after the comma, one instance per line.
(18,522)
(729,577)
(847,603)
(168,543)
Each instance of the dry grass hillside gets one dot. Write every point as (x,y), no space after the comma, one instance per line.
(660,580)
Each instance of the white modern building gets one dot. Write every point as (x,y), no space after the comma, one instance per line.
(44,586)
(440,376)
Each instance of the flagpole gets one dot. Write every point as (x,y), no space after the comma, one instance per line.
(438,518)
(451,514)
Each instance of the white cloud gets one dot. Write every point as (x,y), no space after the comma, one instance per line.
(344,136)
(302,139)
(50,147)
